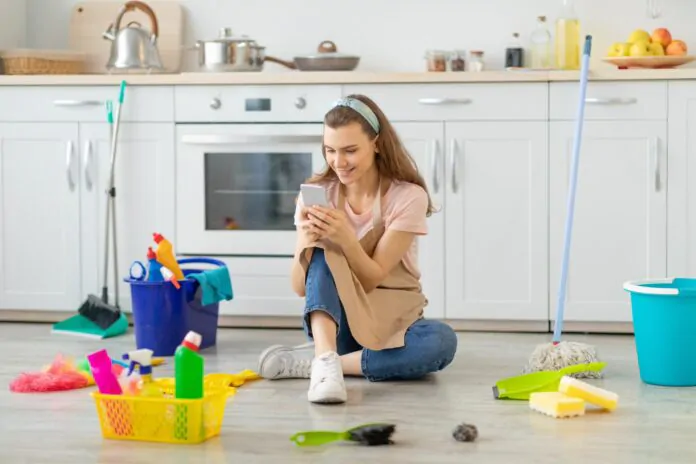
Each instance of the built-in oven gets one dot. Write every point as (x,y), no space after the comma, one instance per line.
(239,173)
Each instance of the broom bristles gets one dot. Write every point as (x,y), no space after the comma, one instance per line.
(550,357)
(102,314)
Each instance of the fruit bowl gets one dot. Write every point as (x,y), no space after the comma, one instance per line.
(649,62)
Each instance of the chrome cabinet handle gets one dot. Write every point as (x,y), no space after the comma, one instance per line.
(77,102)
(453,165)
(69,162)
(444,101)
(656,156)
(88,164)
(611,101)
(434,156)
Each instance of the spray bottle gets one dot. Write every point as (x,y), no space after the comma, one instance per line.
(100,365)
(143,360)
(188,368)
(165,255)
(153,268)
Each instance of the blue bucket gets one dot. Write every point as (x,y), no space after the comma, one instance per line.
(163,314)
(664,323)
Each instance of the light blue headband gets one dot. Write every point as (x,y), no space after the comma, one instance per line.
(362,109)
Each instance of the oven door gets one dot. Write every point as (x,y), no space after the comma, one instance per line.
(237,186)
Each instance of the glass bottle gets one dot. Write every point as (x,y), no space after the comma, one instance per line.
(514,54)
(568,37)
(476,61)
(541,45)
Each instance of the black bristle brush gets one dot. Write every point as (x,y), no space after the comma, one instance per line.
(368,434)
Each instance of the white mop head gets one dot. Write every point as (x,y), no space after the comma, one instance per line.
(550,357)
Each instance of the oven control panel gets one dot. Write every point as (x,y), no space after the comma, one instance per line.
(249,103)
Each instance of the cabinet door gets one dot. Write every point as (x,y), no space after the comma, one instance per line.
(620,220)
(40,217)
(145,192)
(424,141)
(496,221)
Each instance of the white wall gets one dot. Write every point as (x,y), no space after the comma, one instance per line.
(13,28)
(389,34)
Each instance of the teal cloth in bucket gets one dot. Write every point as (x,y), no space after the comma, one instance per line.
(216,285)
(664,323)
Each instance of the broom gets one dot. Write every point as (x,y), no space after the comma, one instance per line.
(98,310)
(557,354)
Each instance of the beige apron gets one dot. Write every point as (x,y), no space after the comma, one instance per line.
(379,319)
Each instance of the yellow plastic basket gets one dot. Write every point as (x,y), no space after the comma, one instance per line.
(166,420)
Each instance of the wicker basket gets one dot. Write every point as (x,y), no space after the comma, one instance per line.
(42,62)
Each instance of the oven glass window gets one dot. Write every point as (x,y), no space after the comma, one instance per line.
(253,191)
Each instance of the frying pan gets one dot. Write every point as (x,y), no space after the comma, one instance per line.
(327,58)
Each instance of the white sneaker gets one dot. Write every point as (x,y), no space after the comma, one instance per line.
(326,384)
(286,362)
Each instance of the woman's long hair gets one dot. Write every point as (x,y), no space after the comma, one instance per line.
(393,160)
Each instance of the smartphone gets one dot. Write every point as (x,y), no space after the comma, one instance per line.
(314,195)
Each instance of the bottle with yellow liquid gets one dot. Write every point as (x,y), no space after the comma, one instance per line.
(568,37)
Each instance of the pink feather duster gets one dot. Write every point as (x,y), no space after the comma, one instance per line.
(61,375)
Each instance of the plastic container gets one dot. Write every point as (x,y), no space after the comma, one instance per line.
(165,420)
(664,323)
(100,367)
(165,255)
(189,368)
(153,267)
(163,314)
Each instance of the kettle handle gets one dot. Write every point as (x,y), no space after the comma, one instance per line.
(145,8)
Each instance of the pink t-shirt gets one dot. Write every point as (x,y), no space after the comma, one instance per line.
(403,208)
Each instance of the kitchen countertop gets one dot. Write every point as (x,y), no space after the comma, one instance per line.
(352,77)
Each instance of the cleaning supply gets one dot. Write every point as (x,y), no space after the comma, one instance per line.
(215,285)
(590,393)
(556,404)
(153,267)
(107,319)
(165,255)
(142,359)
(100,366)
(189,368)
(521,386)
(168,276)
(60,375)
(556,355)
(367,434)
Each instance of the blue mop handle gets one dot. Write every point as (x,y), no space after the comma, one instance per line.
(560,304)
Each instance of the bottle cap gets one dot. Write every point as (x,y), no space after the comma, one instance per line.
(192,340)
(157,237)
(151,254)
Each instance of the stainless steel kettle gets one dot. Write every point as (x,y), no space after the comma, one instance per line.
(133,47)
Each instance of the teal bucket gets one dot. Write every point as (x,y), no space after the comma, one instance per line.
(664,323)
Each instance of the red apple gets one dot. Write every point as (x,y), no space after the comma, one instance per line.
(662,35)
(676,48)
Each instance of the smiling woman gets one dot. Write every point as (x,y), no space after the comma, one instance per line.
(356,264)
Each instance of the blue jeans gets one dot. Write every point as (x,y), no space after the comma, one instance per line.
(429,345)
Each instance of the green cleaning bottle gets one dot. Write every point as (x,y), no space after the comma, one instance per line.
(188,368)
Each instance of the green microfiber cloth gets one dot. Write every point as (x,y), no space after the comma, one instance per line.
(215,285)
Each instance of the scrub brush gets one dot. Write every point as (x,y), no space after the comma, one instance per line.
(557,355)
(367,434)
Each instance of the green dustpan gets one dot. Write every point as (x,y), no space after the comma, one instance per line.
(520,387)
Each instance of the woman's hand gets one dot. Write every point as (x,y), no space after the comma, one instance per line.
(307,235)
(331,224)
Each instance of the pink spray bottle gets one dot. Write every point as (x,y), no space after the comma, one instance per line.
(102,372)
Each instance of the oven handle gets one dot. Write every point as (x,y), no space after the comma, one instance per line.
(246,139)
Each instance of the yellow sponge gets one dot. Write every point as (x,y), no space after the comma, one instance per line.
(556,404)
(583,390)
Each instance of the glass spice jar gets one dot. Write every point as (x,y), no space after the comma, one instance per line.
(457,61)
(437,60)
(476,63)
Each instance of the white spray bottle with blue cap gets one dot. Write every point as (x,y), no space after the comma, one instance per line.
(143,360)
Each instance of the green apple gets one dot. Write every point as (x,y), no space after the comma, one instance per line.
(640,48)
(619,49)
(656,49)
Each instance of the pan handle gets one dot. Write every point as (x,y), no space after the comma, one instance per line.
(287,64)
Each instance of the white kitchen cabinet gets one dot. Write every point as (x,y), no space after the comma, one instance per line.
(425,143)
(145,198)
(620,222)
(40,189)
(681,174)
(496,223)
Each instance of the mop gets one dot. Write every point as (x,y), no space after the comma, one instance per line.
(559,354)
(96,317)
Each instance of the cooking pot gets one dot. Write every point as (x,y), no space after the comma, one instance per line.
(327,58)
(228,53)
(133,47)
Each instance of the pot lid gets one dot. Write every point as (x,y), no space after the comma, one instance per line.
(225,35)
(327,50)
